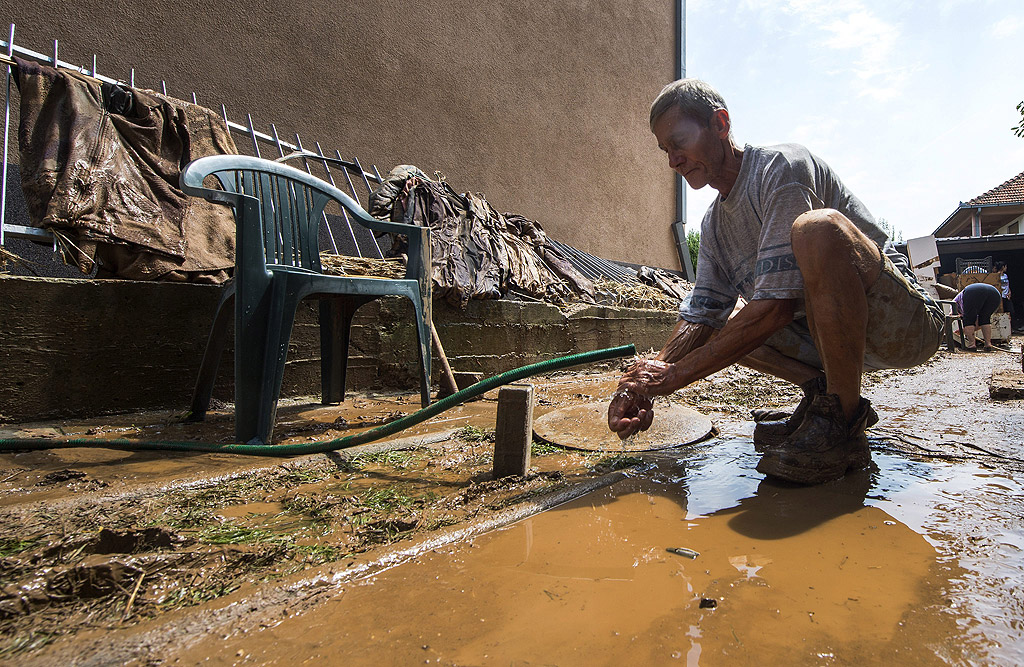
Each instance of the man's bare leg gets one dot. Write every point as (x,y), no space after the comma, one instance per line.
(986,333)
(769,360)
(772,362)
(839,264)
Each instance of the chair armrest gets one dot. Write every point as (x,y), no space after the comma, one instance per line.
(954,310)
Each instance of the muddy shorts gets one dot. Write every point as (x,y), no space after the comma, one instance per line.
(904,326)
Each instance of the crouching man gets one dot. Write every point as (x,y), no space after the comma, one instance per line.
(827,296)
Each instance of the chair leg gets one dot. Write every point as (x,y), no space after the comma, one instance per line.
(423,332)
(250,352)
(262,330)
(215,344)
(947,329)
(335,330)
(281,318)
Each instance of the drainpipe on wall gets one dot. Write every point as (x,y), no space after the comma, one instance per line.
(976,223)
(679,226)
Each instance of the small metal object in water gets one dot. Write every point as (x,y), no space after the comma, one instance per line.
(680,551)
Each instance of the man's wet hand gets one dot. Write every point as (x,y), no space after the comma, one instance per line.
(629,413)
(651,377)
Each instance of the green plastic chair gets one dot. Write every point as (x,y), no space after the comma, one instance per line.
(278,210)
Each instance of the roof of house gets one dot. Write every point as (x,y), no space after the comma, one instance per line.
(997,207)
(1010,192)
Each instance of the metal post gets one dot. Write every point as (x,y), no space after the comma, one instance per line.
(7,131)
(327,224)
(679,227)
(252,133)
(369,189)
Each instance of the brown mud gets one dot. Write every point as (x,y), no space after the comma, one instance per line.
(388,554)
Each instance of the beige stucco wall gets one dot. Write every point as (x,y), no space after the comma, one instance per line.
(540,106)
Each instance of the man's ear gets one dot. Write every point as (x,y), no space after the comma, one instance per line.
(720,123)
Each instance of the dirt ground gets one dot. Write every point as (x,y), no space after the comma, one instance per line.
(106,555)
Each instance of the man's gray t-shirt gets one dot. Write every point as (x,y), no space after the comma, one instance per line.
(745,247)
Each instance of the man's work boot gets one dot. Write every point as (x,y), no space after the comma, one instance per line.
(823,447)
(771,432)
(768,415)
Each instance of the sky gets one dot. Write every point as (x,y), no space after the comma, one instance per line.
(910,102)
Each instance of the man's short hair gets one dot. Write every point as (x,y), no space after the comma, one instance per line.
(696,99)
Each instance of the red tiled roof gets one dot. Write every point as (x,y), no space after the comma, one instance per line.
(1010,192)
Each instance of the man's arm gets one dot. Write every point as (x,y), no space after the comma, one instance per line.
(693,352)
(742,334)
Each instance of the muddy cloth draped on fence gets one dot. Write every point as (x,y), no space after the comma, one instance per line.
(478,253)
(100,167)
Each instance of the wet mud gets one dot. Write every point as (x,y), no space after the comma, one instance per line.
(407,552)
(781,575)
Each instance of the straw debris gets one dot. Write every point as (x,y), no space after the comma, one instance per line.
(343,265)
(636,295)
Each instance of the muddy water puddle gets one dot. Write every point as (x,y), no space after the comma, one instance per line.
(867,570)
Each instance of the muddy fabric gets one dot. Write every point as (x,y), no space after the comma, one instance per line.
(477,253)
(665,281)
(100,168)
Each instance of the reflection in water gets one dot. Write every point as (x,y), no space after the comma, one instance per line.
(784,575)
(779,510)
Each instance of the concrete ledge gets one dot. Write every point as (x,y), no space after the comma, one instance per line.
(75,347)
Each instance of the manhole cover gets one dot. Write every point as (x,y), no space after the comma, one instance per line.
(586,427)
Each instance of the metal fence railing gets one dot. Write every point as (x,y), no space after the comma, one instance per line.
(338,234)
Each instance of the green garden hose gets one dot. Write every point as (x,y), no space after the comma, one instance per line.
(22,444)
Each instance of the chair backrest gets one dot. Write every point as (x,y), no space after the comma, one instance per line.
(983,265)
(279,210)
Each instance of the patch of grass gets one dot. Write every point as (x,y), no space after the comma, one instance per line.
(229,534)
(471,433)
(400,459)
(29,641)
(189,596)
(428,498)
(11,546)
(618,462)
(541,448)
(317,509)
(188,516)
(392,458)
(437,523)
(318,554)
(385,500)
(297,476)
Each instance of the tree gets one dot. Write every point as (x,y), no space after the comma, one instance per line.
(1019,130)
(895,235)
(692,243)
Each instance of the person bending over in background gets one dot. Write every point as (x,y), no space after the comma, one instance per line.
(977,302)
